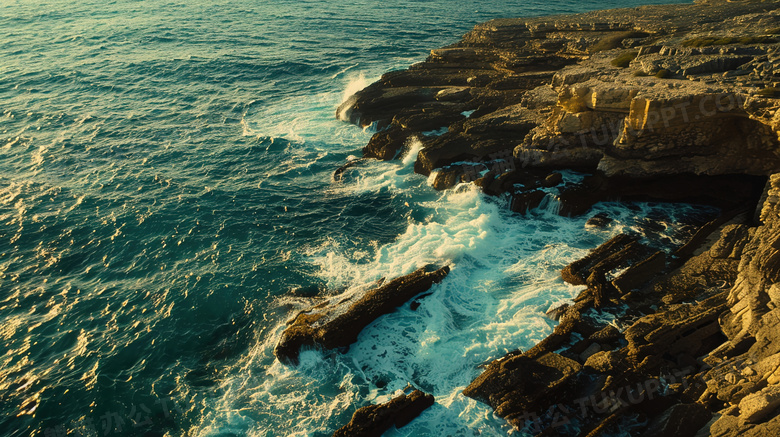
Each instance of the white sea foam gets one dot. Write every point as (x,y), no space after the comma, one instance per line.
(505,275)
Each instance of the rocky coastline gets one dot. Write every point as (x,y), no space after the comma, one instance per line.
(668,103)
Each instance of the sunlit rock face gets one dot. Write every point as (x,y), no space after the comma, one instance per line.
(637,92)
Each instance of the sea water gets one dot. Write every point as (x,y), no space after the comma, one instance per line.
(167,204)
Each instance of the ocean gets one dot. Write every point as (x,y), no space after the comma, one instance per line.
(167,204)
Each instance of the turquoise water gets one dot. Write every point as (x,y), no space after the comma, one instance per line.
(166,204)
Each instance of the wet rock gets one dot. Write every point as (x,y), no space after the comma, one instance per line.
(374,420)
(339,173)
(638,274)
(447,178)
(526,201)
(519,383)
(552,180)
(613,254)
(338,324)
(557,312)
(600,220)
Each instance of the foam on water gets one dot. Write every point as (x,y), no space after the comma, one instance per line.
(505,276)
(166,182)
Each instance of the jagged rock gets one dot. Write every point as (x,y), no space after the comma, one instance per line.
(681,420)
(607,334)
(447,178)
(614,254)
(519,383)
(696,276)
(600,220)
(767,335)
(681,328)
(338,325)
(603,361)
(755,407)
(733,239)
(640,273)
(523,202)
(374,420)
(728,381)
(546,90)
(759,268)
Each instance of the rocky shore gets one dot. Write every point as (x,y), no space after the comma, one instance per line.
(669,103)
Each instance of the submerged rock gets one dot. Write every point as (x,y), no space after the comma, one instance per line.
(600,220)
(335,325)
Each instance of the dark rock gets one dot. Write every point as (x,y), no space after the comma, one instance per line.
(613,254)
(447,178)
(387,144)
(606,335)
(416,302)
(339,173)
(519,383)
(374,420)
(338,325)
(640,273)
(552,180)
(681,420)
(526,201)
(600,220)
(557,312)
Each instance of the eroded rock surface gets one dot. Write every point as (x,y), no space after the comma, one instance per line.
(337,324)
(669,102)
(374,420)
(646,92)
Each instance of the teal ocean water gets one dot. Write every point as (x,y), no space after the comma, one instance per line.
(166,204)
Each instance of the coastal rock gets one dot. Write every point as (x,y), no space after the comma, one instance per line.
(518,384)
(337,324)
(681,328)
(664,103)
(599,220)
(681,420)
(614,254)
(757,406)
(374,420)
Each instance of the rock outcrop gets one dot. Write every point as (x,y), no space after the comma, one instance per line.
(374,420)
(650,92)
(337,324)
(668,102)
